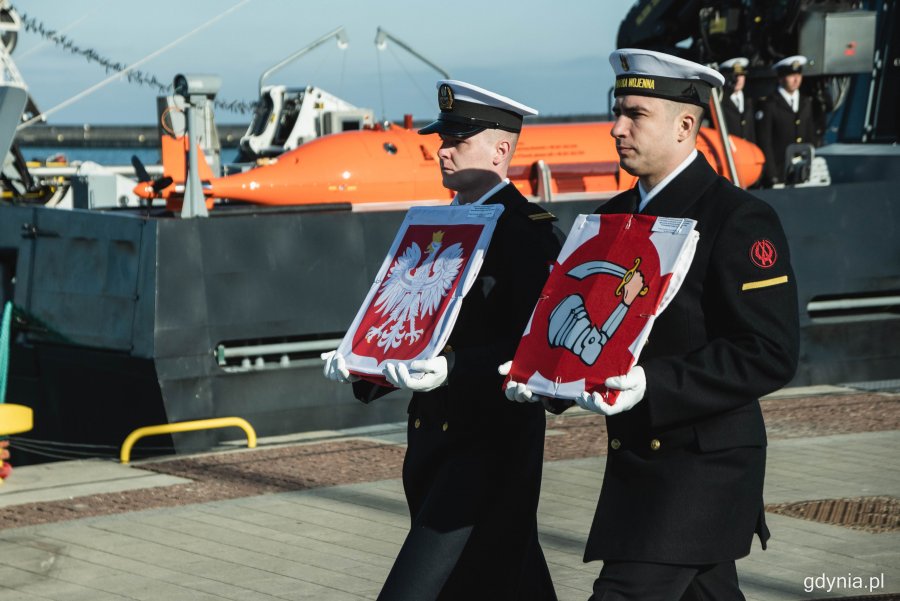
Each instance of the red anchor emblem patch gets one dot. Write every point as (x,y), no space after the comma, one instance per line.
(763,254)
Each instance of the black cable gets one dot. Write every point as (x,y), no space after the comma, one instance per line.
(24,449)
(38,442)
(57,443)
(19,449)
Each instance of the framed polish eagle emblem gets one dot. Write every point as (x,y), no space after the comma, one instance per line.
(614,275)
(413,303)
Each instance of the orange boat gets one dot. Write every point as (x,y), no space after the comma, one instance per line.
(387,167)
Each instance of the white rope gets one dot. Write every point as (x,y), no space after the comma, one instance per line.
(380,83)
(426,97)
(343,72)
(43,116)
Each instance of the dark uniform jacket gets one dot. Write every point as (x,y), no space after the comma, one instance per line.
(739,124)
(777,127)
(472,472)
(684,474)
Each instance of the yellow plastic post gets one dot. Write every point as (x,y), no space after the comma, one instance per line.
(15,419)
(199,424)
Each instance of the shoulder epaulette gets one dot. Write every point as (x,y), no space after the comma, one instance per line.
(536,213)
(542,216)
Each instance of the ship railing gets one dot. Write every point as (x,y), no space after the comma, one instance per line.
(9,72)
(237,356)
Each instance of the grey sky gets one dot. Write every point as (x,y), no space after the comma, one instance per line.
(550,55)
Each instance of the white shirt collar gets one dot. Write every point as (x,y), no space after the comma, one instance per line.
(738,99)
(486,195)
(646,197)
(792,98)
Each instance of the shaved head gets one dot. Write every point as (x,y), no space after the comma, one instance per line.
(677,109)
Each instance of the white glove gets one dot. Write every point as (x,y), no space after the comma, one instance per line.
(517,391)
(427,374)
(336,368)
(632,386)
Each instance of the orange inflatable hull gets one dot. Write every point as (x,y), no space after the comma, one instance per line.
(398,165)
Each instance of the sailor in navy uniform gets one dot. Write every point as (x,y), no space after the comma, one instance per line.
(682,495)
(472,472)
(736,105)
(784,117)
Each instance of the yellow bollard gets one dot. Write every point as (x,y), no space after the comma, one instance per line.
(15,419)
(200,424)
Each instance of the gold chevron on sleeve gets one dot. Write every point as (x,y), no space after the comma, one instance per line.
(765,283)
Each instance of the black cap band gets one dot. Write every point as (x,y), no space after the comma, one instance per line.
(482,115)
(691,91)
(789,69)
(462,119)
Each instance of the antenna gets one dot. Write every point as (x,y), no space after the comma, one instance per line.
(342,43)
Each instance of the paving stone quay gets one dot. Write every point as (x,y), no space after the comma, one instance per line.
(220,526)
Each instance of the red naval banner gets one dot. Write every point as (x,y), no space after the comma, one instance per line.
(412,306)
(614,275)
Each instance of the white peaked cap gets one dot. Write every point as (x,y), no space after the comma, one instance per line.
(793,64)
(649,62)
(467,109)
(649,73)
(731,63)
(472,93)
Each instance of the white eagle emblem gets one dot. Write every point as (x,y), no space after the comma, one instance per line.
(412,291)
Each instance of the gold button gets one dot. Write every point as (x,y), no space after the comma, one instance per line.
(797,122)
(799,140)
(417,423)
(445,426)
(655,444)
(615,443)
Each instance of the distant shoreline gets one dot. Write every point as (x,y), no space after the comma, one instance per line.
(111,136)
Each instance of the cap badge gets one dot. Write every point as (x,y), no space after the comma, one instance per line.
(445,97)
(795,65)
(624,60)
(763,254)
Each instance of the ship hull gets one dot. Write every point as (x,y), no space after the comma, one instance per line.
(126,320)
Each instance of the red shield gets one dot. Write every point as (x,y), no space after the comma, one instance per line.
(401,318)
(412,306)
(585,328)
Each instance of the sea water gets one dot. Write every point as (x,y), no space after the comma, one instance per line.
(106,156)
(103,156)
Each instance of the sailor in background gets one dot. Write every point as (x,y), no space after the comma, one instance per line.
(682,493)
(472,472)
(737,106)
(784,117)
